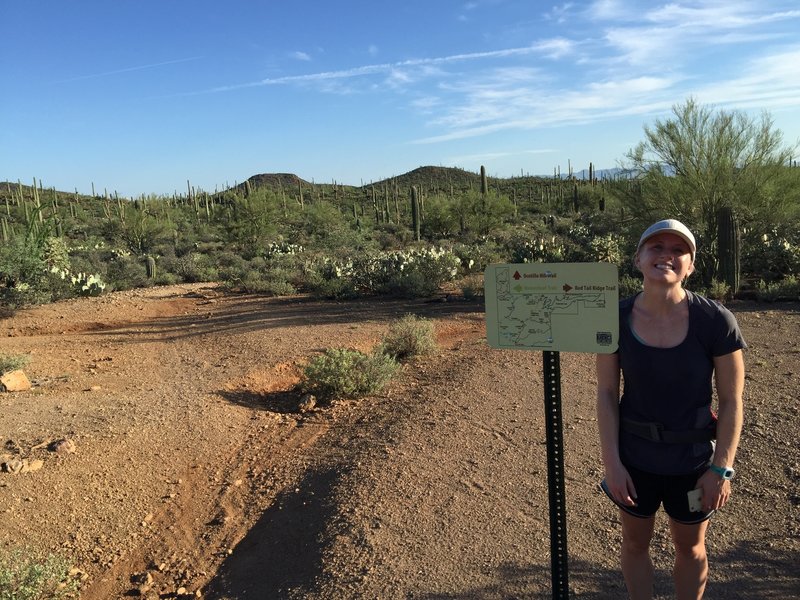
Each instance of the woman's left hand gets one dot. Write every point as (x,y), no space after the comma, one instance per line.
(716,490)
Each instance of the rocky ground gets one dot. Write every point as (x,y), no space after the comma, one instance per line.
(194,474)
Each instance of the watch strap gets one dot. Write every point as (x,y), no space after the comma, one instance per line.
(724,472)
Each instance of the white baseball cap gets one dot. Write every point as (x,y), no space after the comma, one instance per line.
(669,226)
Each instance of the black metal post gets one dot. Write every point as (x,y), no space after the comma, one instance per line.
(555,475)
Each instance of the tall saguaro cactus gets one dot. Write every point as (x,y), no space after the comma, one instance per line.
(728,244)
(415,216)
(484,182)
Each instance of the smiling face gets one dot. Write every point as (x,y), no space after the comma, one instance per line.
(665,257)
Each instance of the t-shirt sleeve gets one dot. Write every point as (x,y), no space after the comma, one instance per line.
(728,336)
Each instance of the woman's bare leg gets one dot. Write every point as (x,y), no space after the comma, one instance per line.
(691,562)
(637,568)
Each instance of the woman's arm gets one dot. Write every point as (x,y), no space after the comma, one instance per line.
(617,478)
(729,381)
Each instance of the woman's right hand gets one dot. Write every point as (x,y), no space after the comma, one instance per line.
(620,485)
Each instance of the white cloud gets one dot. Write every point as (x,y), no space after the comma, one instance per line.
(300,56)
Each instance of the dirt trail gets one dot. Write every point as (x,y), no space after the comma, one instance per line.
(195,476)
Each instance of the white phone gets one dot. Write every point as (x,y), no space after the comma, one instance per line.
(695,500)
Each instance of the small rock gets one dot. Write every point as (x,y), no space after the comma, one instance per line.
(13,465)
(62,446)
(28,466)
(307,402)
(14,381)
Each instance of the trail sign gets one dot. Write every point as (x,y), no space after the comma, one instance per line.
(553,307)
(557,306)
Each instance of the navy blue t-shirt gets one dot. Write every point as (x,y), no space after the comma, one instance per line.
(673,386)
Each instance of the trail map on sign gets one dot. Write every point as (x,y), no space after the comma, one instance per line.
(563,306)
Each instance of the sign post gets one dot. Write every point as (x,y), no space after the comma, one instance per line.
(553,307)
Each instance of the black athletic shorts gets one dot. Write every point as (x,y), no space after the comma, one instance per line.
(669,490)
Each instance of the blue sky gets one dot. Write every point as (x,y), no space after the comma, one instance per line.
(139,96)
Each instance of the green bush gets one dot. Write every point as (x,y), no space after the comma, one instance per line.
(545,249)
(341,373)
(408,337)
(127,272)
(12,362)
(719,290)
(770,256)
(331,289)
(629,286)
(24,576)
(416,273)
(194,267)
(472,286)
(786,289)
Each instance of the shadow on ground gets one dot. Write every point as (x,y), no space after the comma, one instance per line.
(244,313)
(281,401)
(281,554)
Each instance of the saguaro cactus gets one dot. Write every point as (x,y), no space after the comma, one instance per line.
(415,220)
(484,183)
(151,267)
(728,244)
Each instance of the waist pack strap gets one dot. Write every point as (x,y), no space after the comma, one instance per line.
(655,432)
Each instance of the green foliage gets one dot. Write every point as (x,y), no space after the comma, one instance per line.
(629,286)
(544,249)
(771,255)
(341,373)
(127,272)
(477,256)
(257,276)
(472,286)
(12,362)
(24,576)
(54,253)
(719,290)
(408,337)
(195,267)
(699,161)
(343,242)
(414,273)
(787,289)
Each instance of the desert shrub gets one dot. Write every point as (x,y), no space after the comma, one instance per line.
(21,262)
(546,249)
(55,253)
(416,273)
(272,282)
(25,576)
(12,362)
(604,248)
(126,272)
(719,290)
(408,337)
(337,288)
(163,278)
(786,289)
(770,256)
(342,373)
(194,267)
(629,286)
(472,286)
(476,257)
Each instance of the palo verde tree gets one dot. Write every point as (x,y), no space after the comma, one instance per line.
(701,163)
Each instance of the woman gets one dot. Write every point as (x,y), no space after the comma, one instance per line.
(657,439)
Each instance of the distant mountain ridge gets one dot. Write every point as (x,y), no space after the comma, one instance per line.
(429,177)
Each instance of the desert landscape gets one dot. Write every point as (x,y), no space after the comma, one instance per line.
(172,460)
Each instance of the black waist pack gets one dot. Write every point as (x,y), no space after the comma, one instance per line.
(655,432)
